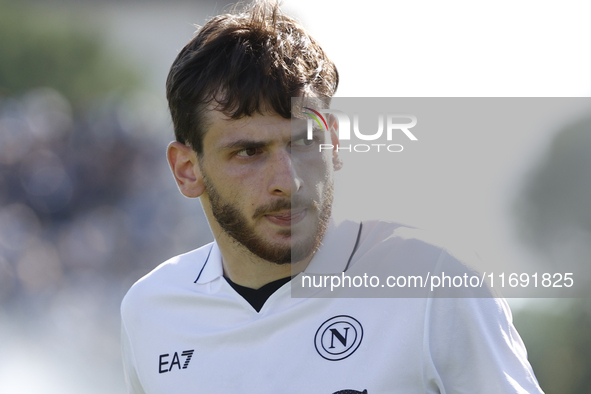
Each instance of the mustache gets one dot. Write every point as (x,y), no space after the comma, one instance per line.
(282,205)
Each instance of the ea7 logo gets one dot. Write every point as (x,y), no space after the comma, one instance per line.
(175,361)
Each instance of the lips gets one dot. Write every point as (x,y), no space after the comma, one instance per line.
(287,218)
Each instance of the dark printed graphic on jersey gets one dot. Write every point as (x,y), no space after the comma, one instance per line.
(167,363)
(338,337)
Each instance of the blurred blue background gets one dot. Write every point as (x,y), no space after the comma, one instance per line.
(88,205)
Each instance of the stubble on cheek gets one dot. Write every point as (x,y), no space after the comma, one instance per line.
(235,223)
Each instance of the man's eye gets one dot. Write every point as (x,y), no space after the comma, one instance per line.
(303,142)
(248,152)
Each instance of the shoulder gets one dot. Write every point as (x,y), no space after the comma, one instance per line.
(400,255)
(395,241)
(174,276)
(376,232)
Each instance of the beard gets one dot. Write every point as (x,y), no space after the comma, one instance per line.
(234,222)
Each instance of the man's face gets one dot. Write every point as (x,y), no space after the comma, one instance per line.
(268,192)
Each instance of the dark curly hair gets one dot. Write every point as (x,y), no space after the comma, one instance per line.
(243,63)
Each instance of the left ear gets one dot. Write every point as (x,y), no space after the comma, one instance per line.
(333,125)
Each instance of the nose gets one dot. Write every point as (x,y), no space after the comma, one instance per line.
(285,179)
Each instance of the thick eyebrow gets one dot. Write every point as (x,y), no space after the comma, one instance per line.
(244,144)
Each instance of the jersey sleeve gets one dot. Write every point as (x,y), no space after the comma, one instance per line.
(472,346)
(131,377)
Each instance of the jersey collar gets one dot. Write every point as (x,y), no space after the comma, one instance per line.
(337,248)
(212,266)
(333,256)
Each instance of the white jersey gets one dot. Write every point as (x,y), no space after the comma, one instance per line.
(186,330)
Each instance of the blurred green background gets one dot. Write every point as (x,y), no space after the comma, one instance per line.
(87,204)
